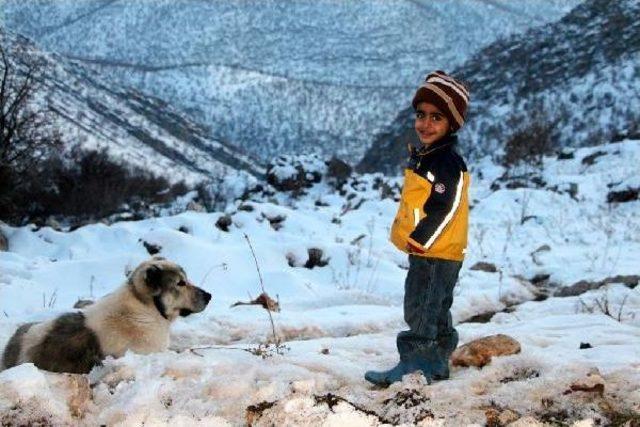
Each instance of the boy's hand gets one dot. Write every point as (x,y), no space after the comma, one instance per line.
(414,249)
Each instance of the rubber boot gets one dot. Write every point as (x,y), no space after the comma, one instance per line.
(386,378)
(407,365)
(446,346)
(416,354)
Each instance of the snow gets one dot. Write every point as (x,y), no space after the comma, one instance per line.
(27,386)
(338,320)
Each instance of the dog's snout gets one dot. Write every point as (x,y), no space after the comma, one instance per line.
(206,296)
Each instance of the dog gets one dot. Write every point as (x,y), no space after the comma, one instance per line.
(135,317)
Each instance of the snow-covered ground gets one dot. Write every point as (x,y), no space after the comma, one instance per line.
(340,319)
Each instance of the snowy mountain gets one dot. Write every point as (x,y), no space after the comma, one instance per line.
(138,129)
(560,275)
(580,76)
(277,77)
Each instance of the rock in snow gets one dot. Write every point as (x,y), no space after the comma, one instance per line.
(479,352)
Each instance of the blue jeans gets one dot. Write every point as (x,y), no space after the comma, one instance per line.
(427,302)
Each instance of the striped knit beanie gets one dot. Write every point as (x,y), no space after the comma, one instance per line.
(449,95)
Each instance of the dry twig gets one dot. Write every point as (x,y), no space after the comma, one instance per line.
(276,339)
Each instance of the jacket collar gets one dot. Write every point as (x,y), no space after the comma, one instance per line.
(445,141)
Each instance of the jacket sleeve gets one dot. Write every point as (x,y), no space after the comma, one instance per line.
(446,193)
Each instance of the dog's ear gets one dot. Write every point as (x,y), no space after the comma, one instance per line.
(153,277)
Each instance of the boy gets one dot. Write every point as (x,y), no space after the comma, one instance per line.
(431,226)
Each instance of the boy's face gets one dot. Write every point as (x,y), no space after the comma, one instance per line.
(431,124)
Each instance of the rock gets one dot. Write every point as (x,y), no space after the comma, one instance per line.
(151,248)
(484,266)
(507,417)
(316,258)
(530,180)
(4,243)
(539,285)
(294,173)
(276,221)
(497,418)
(540,279)
(527,421)
(224,222)
(491,415)
(584,345)
(479,352)
(630,280)
(480,318)
(254,412)
(565,154)
(53,223)
(82,303)
(195,207)
(292,260)
(570,188)
(591,158)
(623,196)
(577,288)
(593,383)
(521,374)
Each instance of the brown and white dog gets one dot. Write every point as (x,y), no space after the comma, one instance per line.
(135,317)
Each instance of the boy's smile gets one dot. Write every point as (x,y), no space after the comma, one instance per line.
(431,124)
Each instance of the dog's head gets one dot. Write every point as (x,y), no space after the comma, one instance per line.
(164,284)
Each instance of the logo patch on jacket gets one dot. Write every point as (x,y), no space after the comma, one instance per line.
(439,188)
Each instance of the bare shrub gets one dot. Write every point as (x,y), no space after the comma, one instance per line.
(85,187)
(338,171)
(27,135)
(530,142)
(603,305)
(91,185)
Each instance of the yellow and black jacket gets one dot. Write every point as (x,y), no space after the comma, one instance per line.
(434,206)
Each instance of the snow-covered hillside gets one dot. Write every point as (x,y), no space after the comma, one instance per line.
(278,77)
(561,249)
(132,127)
(580,77)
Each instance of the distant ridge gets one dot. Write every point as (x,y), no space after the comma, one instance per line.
(276,77)
(133,127)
